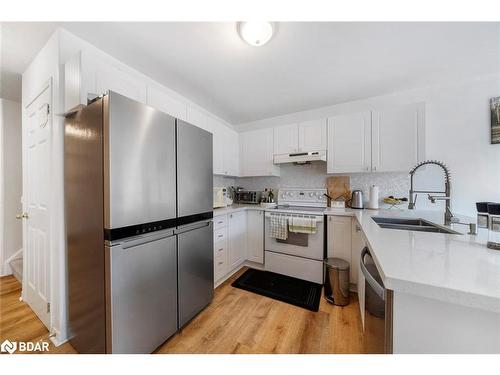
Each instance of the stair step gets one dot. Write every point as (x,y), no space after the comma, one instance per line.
(17,268)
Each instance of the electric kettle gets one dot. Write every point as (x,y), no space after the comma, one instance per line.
(357,199)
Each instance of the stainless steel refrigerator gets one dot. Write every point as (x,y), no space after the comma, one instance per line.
(138,202)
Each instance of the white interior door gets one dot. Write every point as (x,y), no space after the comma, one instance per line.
(36,204)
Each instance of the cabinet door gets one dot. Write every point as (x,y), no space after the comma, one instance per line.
(166,103)
(312,135)
(349,143)
(286,139)
(396,136)
(339,238)
(358,243)
(237,238)
(231,153)
(255,236)
(110,77)
(257,153)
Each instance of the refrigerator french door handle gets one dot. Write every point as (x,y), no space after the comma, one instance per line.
(377,288)
(146,239)
(190,227)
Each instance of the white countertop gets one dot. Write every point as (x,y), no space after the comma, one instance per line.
(448,267)
(235,207)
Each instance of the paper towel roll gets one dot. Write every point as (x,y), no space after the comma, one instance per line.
(373,201)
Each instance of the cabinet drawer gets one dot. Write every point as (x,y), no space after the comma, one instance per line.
(220,222)
(220,250)
(220,263)
(220,235)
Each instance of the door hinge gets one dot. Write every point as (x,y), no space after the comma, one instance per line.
(48,307)
(48,109)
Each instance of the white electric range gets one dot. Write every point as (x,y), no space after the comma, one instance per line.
(300,255)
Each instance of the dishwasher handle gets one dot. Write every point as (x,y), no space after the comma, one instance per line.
(377,288)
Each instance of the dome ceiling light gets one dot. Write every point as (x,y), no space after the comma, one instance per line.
(256,33)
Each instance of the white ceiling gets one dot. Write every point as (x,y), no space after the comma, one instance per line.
(20,43)
(305,66)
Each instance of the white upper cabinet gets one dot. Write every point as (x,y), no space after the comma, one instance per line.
(160,100)
(389,140)
(225,142)
(286,139)
(349,143)
(312,135)
(397,138)
(302,137)
(231,161)
(256,153)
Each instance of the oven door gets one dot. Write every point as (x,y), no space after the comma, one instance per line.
(302,245)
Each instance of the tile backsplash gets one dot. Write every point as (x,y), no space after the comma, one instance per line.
(314,176)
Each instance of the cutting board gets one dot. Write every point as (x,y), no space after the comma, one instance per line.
(338,185)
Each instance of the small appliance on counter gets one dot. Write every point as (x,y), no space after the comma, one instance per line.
(357,199)
(482,214)
(248,196)
(494,226)
(221,197)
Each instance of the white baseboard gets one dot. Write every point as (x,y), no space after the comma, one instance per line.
(56,338)
(6,270)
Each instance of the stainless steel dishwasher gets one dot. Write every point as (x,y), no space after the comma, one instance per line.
(377,336)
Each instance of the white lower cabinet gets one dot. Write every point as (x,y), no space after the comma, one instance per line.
(238,236)
(345,241)
(339,238)
(255,236)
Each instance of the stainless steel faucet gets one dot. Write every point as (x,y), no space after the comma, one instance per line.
(448,216)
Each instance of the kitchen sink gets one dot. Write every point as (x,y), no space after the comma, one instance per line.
(419,225)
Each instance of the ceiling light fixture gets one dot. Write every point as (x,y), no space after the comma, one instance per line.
(256,33)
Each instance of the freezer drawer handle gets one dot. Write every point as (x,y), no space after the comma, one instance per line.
(145,240)
(379,289)
(190,227)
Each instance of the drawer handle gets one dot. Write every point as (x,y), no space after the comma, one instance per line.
(220,249)
(219,222)
(220,263)
(220,235)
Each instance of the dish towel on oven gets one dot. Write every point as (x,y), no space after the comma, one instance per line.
(302,225)
(279,227)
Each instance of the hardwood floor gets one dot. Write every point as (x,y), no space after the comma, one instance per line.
(237,321)
(18,322)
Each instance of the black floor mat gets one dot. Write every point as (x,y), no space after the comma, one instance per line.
(283,288)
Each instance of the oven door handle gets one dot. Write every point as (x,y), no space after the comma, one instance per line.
(377,288)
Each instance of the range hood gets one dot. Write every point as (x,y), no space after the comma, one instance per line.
(300,157)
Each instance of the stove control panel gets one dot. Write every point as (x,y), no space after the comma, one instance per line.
(302,197)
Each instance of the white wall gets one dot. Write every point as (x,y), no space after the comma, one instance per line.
(457,133)
(10,181)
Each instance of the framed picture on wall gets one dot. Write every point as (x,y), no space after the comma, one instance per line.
(495,119)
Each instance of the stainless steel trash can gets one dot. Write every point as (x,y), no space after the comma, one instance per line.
(337,281)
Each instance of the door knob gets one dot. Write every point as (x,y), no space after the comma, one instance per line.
(24,215)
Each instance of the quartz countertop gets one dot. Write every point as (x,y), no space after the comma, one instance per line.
(455,268)
(235,207)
